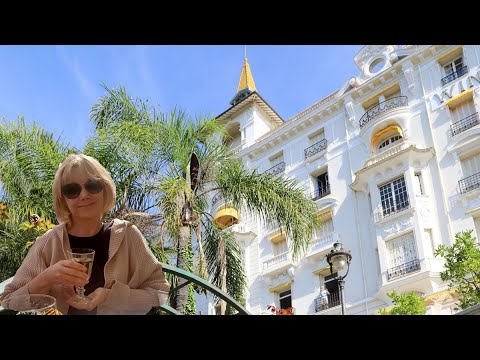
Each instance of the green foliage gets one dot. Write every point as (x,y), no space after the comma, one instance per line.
(190,306)
(16,238)
(462,267)
(407,303)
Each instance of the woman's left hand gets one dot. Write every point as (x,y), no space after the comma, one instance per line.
(95,298)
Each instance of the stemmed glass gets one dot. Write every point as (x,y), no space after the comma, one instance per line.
(32,304)
(85,257)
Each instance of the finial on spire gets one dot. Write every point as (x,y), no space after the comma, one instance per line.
(245,51)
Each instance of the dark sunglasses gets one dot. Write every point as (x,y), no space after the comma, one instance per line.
(73,190)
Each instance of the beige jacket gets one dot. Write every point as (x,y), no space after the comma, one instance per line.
(132,272)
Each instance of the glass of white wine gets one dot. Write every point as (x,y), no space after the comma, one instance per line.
(32,304)
(85,257)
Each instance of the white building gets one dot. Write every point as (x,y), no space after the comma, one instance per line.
(392,160)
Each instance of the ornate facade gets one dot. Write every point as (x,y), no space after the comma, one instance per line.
(392,160)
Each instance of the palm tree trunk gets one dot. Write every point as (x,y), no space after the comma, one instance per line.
(223,274)
(182,293)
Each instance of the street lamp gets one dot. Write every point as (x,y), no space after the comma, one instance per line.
(338,259)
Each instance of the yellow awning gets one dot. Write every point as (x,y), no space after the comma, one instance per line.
(277,237)
(282,287)
(441,295)
(384,131)
(226,216)
(463,96)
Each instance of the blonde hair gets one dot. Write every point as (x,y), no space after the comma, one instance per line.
(94,170)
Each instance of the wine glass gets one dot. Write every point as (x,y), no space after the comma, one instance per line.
(32,304)
(85,257)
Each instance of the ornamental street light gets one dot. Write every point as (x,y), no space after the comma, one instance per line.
(338,259)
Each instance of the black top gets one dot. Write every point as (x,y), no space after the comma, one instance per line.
(100,243)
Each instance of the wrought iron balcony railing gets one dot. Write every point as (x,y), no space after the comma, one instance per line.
(465,124)
(383,213)
(404,269)
(320,193)
(383,107)
(315,148)
(469,183)
(277,169)
(217,198)
(332,300)
(454,75)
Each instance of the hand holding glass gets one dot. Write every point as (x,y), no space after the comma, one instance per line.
(85,257)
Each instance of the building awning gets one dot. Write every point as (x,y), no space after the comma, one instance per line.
(456,100)
(277,237)
(226,216)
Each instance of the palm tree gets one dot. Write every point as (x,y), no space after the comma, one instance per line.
(29,156)
(198,167)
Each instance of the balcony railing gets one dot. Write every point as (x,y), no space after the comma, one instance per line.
(469,183)
(454,75)
(217,198)
(320,193)
(277,169)
(276,260)
(382,213)
(323,241)
(465,124)
(332,300)
(383,107)
(404,269)
(315,148)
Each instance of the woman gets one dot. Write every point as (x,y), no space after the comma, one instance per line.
(126,277)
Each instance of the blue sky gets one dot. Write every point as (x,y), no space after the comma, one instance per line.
(56,86)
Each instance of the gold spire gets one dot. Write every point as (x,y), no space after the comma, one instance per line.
(246,79)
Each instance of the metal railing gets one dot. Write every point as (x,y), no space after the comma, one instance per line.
(404,269)
(320,193)
(277,169)
(464,124)
(217,198)
(332,300)
(395,209)
(454,75)
(383,107)
(469,183)
(315,148)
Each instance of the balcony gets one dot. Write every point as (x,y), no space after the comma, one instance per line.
(315,148)
(277,263)
(320,193)
(331,301)
(218,197)
(244,231)
(454,75)
(383,107)
(320,245)
(403,270)
(387,152)
(388,211)
(276,169)
(464,124)
(469,183)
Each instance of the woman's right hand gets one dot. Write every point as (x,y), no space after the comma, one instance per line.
(64,272)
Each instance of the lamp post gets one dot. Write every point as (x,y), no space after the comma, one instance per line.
(338,259)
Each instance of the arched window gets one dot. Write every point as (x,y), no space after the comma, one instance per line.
(386,138)
(388,141)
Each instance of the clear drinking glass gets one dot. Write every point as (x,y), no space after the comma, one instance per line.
(85,257)
(32,304)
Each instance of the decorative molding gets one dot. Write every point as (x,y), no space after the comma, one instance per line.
(396,227)
(409,75)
